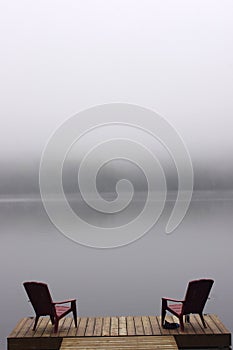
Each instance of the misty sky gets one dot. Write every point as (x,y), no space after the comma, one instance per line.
(61,57)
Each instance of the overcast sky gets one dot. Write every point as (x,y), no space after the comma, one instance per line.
(60,57)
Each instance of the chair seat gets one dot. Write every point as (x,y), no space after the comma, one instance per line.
(60,310)
(177,308)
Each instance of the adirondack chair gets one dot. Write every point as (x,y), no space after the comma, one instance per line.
(43,304)
(195,299)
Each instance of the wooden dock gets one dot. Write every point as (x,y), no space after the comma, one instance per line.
(141,330)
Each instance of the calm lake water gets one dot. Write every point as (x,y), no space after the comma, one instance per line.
(122,281)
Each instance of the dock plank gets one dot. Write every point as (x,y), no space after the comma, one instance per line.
(26,328)
(106,327)
(98,327)
(63,331)
(146,325)
(16,330)
(41,327)
(155,326)
(60,327)
(73,330)
(82,327)
(164,331)
(122,326)
(130,325)
(219,324)
(196,325)
(138,325)
(188,326)
(90,327)
(206,330)
(48,329)
(114,326)
(211,324)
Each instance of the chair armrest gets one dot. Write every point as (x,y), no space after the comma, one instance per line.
(175,300)
(63,302)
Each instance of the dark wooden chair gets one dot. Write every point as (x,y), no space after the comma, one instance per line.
(43,304)
(195,299)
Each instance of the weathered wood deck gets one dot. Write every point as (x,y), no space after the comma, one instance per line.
(129,327)
(120,343)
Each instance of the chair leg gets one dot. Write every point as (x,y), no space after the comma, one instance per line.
(187,318)
(52,320)
(163,311)
(181,323)
(202,320)
(36,321)
(56,321)
(74,310)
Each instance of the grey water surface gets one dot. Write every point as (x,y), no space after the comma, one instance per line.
(128,280)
